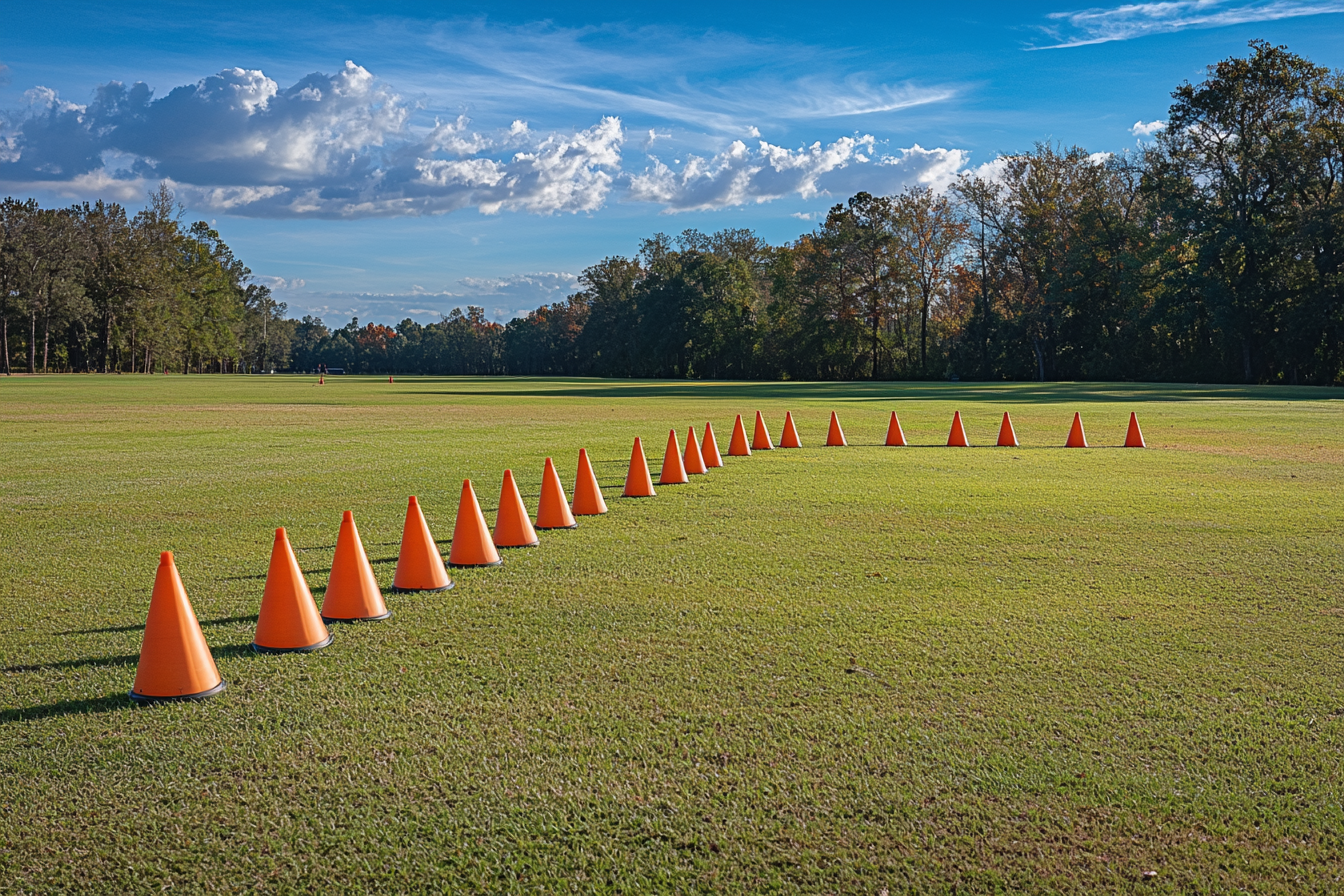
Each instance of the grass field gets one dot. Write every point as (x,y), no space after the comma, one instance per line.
(858,670)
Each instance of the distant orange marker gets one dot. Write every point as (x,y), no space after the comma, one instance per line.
(1007,435)
(789,437)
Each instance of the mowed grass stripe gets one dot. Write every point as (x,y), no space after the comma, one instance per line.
(829,669)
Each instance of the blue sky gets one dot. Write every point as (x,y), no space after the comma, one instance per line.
(397,160)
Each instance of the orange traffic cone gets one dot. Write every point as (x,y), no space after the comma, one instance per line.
(588,499)
(789,437)
(760,441)
(389,379)
(895,436)
(836,437)
(1076,437)
(674,472)
(957,437)
(1007,435)
(553,511)
(737,446)
(288,621)
(471,537)
(638,482)
(513,528)
(352,591)
(321,380)
(419,564)
(692,460)
(709,448)
(1134,438)
(175,662)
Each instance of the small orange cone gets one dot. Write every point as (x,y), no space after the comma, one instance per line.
(895,436)
(288,621)
(419,564)
(1076,437)
(1134,438)
(760,441)
(789,437)
(674,472)
(836,437)
(588,499)
(513,529)
(553,511)
(389,379)
(1007,435)
(709,448)
(352,591)
(471,537)
(638,482)
(957,437)
(175,661)
(738,447)
(321,380)
(691,459)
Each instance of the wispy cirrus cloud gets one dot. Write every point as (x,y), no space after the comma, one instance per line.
(1099,25)
(706,79)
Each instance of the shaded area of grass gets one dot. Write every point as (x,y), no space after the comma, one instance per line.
(824,670)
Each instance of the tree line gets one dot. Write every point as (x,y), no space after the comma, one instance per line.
(1214,254)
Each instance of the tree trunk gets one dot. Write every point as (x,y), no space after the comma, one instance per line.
(1246,360)
(32,341)
(46,337)
(4,324)
(105,350)
(1040,358)
(924,337)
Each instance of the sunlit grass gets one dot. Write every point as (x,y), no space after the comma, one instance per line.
(824,670)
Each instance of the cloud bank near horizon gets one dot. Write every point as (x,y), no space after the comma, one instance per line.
(347,145)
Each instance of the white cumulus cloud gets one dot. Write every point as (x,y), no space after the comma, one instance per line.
(741,175)
(1148,129)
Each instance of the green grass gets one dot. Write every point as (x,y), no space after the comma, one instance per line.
(823,671)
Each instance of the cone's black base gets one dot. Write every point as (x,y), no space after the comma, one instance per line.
(395,590)
(530,544)
(146,699)
(309,649)
(475,565)
(330,619)
(552,528)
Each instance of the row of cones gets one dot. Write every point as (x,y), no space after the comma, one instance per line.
(175,661)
